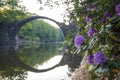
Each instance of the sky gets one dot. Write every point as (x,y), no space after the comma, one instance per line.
(55,13)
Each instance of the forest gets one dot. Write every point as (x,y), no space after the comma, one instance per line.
(40,31)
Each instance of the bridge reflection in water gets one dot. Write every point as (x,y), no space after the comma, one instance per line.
(36,62)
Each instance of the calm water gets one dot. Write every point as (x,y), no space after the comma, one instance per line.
(36,62)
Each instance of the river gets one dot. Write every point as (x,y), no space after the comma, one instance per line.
(40,61)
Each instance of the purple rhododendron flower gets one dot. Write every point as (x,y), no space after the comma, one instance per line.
(90,59)
(91,32)
(99,58)
(118,9)
(105,17)
(103,20)
(88,18)
(90,7)
(78,40)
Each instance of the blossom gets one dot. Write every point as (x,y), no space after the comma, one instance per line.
(90,7)
(118,9)
(90,59)
(103,20)
(105,17)
(91,32)
(88,18)
(78,40)
(99,58)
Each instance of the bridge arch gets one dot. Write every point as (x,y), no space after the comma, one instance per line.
(17,25)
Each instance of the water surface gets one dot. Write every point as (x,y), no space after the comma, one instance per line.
(36,62)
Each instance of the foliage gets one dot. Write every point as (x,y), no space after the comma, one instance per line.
(99,22)
(39,30)
(11,10)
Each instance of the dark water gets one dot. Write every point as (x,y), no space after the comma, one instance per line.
(36,62)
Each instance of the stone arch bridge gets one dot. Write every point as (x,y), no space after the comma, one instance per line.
(8,32)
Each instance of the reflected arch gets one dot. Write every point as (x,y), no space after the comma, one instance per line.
(12,34)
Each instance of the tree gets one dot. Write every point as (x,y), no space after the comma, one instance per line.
(39,30)
(11,10)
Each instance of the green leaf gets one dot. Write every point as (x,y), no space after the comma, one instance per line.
(92,68)
(102,69)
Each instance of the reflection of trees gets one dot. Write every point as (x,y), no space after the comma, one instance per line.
(37,54)
(12,67)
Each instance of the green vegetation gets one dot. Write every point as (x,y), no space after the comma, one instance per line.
(10,11)
(98,21)
(39,30)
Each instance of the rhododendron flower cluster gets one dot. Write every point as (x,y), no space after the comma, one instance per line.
(117,8)
(105,17)
(90,59)
(90,7)
(78,40)
(91,32)
(88,18)
(98,58)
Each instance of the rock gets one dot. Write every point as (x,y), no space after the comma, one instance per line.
(81,74)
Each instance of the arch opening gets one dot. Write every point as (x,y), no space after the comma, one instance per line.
(21,23)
